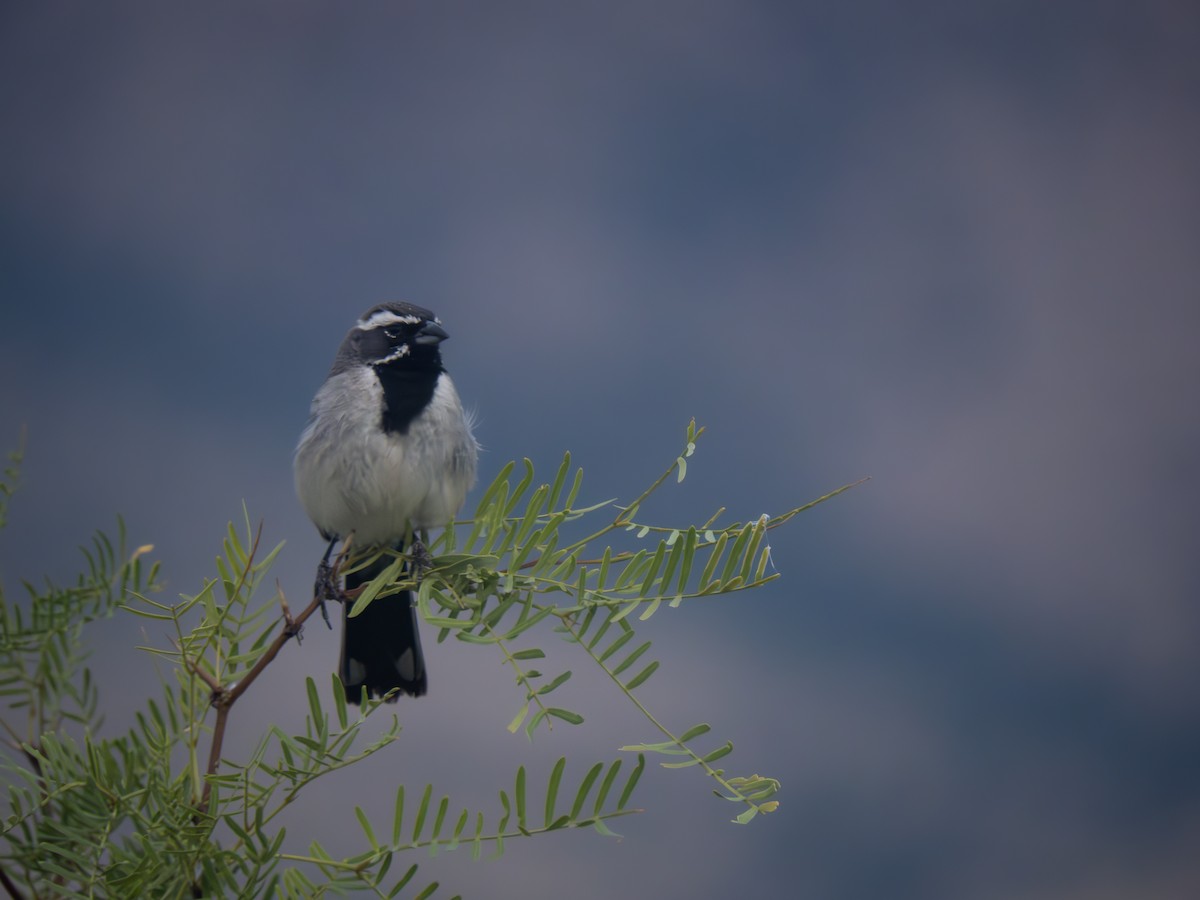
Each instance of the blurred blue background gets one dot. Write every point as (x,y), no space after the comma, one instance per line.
(954,247)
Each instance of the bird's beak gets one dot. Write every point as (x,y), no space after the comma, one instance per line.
(431,333)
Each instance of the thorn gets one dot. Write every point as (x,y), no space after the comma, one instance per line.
(290,628)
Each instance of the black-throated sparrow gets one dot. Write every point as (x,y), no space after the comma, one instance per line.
(387,450)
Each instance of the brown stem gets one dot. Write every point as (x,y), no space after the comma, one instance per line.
(224,698)
(10,886)
(194,668)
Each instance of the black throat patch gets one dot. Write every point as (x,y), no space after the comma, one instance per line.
(406,393)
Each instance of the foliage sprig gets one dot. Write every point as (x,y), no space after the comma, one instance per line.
(162,810)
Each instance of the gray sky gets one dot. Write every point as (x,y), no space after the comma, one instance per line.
(950,247)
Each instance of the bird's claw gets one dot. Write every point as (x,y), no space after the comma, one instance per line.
(419,559)
(326,586)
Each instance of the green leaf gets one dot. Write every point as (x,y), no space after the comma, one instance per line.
(652,571)
(618,642)
(525,623)
(735,555)
(686,764)
(518,719)
(678,549)
(724,750)
(757,531)
(603,829)
(560,479)
(339,702)
(651,609)
(631,658)
(571,718)
(497,489)
(398,816)
(422,812)
(507,807)
(519,796)
(634,776)
(521,543)
(534,722)
(440,818)
(694,732)
(669,747)
(377,585)
(398,886)
(631,570)
(714,557)
(552,788)
(365,824)
(604,625)
(459,827)
(641,677)
(532,653)
(569,503)
(314,702)
(605,564)
(477,841)
(547,688)
(628,608)
(584,787)
(606,786)
(522,486)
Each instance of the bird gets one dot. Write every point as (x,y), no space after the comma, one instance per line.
(388,451)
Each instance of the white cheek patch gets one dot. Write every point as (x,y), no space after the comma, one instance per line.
(399,353)
(383,317)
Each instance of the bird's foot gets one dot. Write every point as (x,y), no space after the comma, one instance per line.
(419,559)
(326,586)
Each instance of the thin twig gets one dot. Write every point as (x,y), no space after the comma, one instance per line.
(10,886)
(194,668)
(224,698)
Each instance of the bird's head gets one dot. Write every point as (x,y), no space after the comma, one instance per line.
(399,336)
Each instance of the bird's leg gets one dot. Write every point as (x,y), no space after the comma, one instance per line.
(419,559)
(326,587)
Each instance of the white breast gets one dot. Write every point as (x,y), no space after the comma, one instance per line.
(352,476)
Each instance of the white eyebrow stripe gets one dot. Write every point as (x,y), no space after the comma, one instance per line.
(387,317)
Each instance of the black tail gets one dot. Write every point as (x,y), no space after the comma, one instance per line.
(381,647)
